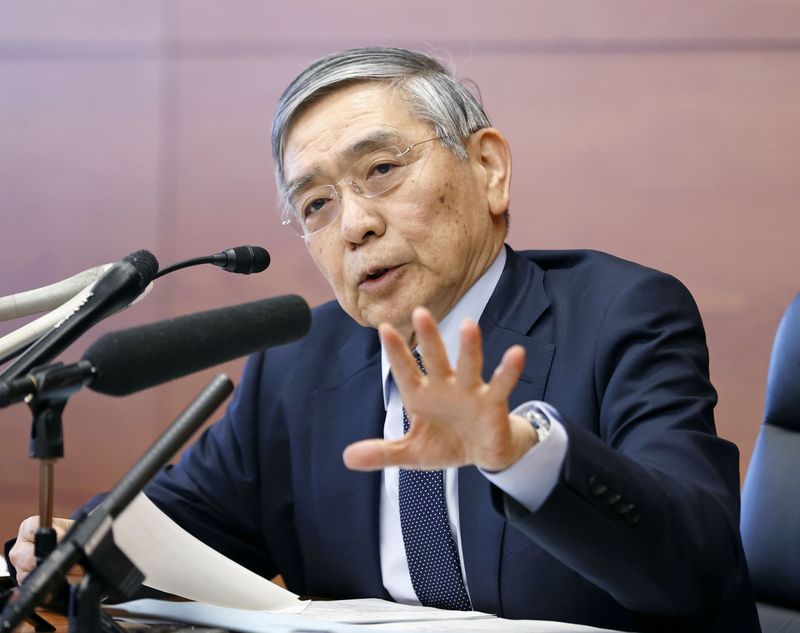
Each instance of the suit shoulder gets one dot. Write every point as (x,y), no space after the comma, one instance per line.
(591,267)
(329,325)
(332,330)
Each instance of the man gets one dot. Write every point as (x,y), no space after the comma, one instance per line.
(561,411)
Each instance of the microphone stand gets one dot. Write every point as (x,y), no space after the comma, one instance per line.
(54,385)
(90,541)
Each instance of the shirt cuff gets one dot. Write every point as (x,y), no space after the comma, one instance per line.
(532,478)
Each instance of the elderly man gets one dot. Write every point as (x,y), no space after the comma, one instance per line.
(546,451)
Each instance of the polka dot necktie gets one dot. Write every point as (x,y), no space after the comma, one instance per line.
(431,551)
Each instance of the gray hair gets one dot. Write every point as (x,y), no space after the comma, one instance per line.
(431,90)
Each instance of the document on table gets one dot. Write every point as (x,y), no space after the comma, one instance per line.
(174,561)
(225,618)
(377,611)
(229,596)
(498,625)
(341,615)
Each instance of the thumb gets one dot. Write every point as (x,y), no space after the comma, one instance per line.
(375,454)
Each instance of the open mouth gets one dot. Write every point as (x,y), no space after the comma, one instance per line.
(377,274)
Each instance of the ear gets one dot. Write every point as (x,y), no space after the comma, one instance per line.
(491,154)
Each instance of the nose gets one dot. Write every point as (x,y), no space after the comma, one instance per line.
(359,218)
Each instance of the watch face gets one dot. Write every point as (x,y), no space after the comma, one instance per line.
(536,414)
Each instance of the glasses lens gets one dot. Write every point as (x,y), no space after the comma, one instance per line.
(378,172)
(293,223)
(315,209)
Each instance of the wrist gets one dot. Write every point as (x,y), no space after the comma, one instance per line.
(526,435)
(522,437)
(530,424)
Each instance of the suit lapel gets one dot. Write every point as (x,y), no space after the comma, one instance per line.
(517,304)
(348,502)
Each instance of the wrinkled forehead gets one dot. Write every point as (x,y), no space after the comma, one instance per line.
(337,129)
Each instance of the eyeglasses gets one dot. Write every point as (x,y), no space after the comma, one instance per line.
(371,175)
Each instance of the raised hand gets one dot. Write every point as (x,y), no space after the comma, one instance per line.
(456,418)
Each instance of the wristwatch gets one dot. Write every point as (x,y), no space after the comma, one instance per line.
(535,412)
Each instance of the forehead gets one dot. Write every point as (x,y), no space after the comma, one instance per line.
(348,122)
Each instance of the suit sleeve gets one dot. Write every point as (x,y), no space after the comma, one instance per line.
(213,491)
(647,506)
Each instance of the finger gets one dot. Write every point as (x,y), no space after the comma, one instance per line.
(62,526)
(404,368)
(470,358)
(375,454)
(507,374)
(22,558)
(27,529)
(432,350)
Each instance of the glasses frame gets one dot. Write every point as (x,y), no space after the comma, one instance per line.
(291,217)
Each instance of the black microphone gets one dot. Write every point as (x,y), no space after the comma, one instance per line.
(137,358)
(239,259)
(120,285)
(126,361)
(243,259)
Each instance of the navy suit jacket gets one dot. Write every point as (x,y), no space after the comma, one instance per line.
(640,533)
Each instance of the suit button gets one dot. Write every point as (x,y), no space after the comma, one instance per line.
(596,487)
(632,518)
(623,508)
(612,498)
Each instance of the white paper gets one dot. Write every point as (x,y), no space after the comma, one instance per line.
(3,568)
(225,618)
(498,625)
(375,610)
(258,621)
(229,596)
(174,561)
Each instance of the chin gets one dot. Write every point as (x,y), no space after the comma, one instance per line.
(374,318)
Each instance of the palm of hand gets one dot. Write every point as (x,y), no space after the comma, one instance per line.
(456,418)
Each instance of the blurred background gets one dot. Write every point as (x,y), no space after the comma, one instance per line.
(663,132)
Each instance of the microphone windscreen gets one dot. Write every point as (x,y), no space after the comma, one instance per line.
(145,264)
(258,257)
(130,360)
(243,259)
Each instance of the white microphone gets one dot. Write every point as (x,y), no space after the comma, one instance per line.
(48,297)
(29,332)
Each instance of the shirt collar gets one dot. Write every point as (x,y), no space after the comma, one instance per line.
(470,306)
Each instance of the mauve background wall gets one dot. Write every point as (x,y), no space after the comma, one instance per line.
(667,133)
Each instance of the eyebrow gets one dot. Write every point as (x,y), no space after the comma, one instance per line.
(373,141)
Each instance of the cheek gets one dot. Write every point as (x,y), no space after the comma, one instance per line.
(324,256)
(448,211)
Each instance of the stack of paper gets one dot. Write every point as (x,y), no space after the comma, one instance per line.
(227,595)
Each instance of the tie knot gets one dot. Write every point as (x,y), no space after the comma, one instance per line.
(420,364)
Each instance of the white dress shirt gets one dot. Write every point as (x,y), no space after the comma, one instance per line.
(529,480)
